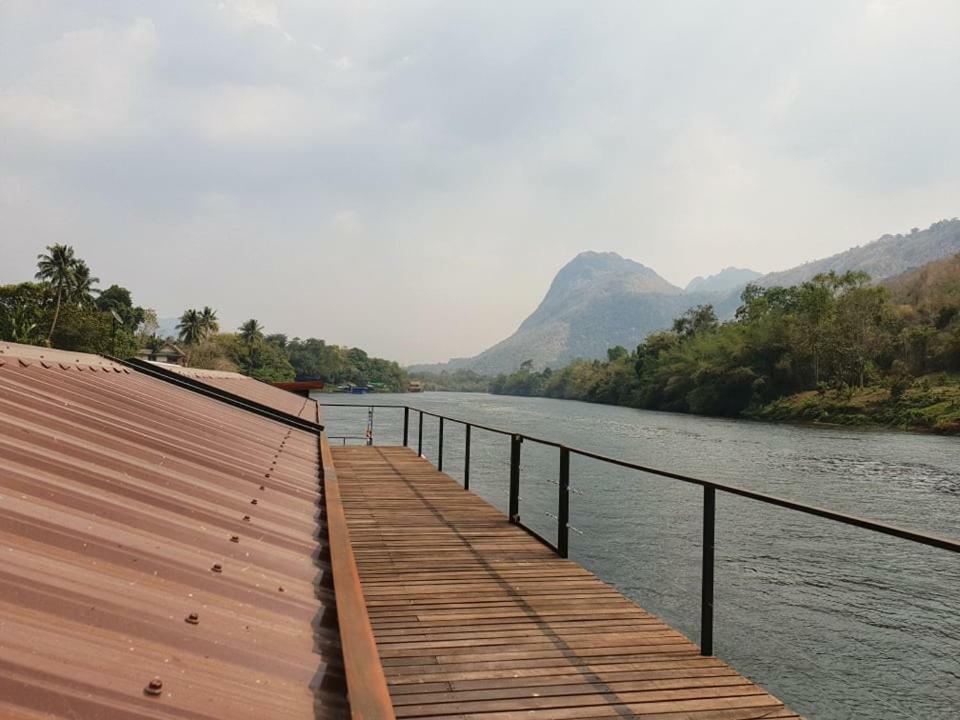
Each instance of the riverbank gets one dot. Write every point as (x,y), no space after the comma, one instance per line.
(930,403)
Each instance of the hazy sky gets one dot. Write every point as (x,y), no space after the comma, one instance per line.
(408,176)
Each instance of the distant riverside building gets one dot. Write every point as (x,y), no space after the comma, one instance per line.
(166,353)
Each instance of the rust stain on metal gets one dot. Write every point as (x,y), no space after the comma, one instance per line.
(114,486)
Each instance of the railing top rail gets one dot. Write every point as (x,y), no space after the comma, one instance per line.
(844,518)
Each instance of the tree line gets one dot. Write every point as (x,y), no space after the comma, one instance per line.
(835,334)
(63,308)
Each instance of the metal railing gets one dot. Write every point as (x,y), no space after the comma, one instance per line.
(710,489)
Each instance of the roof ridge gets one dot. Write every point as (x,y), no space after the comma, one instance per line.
(45,357)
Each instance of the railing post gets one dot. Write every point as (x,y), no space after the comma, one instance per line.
(706,590)
(440,447)
(420,435)
(514,513)
(406,424)
(563,508)
(466,460)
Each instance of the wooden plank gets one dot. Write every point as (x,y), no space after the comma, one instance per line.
(366,684)
(474,619)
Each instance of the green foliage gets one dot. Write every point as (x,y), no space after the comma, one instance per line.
(119,300)
(90,330)
(61,309)
(23,311)
(190,328)
(334,364)
(251,332)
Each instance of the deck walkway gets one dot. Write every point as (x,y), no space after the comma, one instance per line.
(476,620)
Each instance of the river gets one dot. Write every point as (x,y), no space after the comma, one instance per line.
(838,622)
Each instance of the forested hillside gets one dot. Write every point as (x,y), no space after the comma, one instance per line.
(836,348)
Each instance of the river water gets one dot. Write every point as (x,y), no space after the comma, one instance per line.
(838,622)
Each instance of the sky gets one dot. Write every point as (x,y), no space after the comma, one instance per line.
(407,177)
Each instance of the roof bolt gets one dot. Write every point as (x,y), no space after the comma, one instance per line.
(253,502)
(217,567)
(154,687)
(246,518)
(280,589)
(262,487)
(192,619)
(235,538)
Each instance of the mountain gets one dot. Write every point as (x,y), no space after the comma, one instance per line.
(724,281)
(599,300)
(167,327)
(890,255)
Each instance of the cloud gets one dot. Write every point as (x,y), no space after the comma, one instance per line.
(432,164)
(82,86)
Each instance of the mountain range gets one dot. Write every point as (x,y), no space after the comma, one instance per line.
(600,299)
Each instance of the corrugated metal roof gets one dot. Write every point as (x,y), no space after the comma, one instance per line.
(251,389)
(119,497)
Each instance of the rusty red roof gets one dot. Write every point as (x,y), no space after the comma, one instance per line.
(251,389)
(159,551)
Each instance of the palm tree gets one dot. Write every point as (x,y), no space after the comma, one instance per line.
(190,327)
(208,321)
(81,288)
(251,332)
(58,267)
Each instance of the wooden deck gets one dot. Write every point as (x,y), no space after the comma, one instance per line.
(476,620)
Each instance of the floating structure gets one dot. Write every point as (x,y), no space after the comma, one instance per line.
(164,558)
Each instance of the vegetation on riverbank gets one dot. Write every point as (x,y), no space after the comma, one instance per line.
(835,349)
(453,381)
(931,402)
(64,309)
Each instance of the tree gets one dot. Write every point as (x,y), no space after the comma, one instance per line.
(23,309)
(82,288)
(616,353)
(278,340)
(696,320)
(190,327)
(251,332)
(147,329)
(58,267)
(118,299)
(208,321)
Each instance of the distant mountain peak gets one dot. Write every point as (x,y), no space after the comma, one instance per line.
(592,275)
(727,279)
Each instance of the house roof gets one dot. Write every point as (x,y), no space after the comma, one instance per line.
(255,390)
(119,497)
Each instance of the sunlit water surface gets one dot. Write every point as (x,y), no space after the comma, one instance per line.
(837,621)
